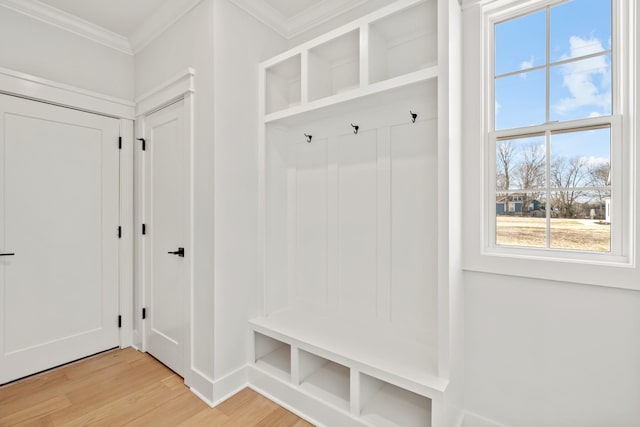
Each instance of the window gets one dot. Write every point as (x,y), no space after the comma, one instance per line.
(556,143)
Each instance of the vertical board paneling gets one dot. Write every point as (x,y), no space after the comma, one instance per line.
(384,224)
(276,221)
(357,223)
(413,224)
(311,220)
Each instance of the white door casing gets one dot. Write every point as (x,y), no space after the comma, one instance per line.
(60,212)
(166,209)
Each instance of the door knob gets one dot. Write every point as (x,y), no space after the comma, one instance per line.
(179,252)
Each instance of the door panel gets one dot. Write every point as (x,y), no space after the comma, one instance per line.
(59,198)
(165,207)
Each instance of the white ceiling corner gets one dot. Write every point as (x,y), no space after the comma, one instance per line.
(320,13)
(288,20)
(266,14)
(161,19)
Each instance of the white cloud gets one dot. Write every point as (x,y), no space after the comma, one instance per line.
(580,78)
(594,114)
(525,65)
(595,161)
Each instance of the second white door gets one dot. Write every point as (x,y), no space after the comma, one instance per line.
(165,211)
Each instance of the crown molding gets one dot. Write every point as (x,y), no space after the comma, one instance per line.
(298,24)
(66,21)
(161,20)
(319,14)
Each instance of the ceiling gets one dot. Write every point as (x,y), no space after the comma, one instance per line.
(129,25)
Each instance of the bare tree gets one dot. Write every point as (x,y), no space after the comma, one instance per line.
(504,157)
(530,172)
(600,178)
(567,175)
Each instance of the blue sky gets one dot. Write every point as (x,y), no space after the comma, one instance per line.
(578,89)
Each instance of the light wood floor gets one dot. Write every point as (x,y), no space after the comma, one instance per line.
(126,387)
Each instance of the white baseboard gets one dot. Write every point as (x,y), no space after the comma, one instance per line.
(474,420)
(215,392)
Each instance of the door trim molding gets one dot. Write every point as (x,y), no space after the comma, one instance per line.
(179,87)
(32,87)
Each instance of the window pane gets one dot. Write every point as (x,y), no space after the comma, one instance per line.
(581,89)
(581,159)
(520,43)
(580,27)
(517,228)
(520,100)
(520,163)
(577,222)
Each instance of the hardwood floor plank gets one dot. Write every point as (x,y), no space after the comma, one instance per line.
(128,388)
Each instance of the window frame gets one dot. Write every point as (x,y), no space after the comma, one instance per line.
(560,264)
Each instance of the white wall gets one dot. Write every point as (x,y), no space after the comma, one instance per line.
(240,43)
(189,43)
(541,353)
(34,47)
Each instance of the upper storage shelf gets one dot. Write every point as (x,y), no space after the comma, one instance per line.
(393,47)
(403,42)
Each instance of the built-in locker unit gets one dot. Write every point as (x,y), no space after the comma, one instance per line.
(354,202)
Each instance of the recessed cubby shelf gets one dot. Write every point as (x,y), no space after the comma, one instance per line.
(334,67)
(283,85)
(403,42)
(386,405)
(325,379)
(273,356)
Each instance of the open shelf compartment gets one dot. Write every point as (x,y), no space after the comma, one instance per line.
(283,85)
(273,356)
(410,365)
(403,42)
(386,405)
(334,66)
(325,379)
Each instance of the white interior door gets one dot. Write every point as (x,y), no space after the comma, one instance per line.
(59,216)
(166,206)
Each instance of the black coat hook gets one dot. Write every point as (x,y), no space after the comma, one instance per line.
(355,128)
(414,116)
(309,137)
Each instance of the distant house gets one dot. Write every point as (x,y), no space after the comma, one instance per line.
(515,204)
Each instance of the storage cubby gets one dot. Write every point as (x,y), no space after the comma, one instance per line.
(283,85)
(334,66)
(356,221)
(273,356)
(325,379)
(403,42)
(386,405)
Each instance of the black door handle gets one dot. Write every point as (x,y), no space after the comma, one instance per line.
(179,252)
(7,254)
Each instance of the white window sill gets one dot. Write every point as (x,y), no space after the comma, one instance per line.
(601,270)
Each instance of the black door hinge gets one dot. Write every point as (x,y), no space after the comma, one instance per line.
(119,232)
(144,144)
(144,229)
(119,321)
(144,313)
(119,143)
